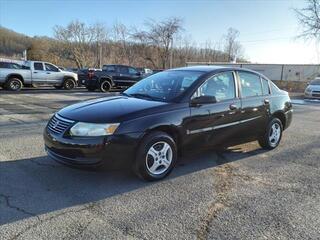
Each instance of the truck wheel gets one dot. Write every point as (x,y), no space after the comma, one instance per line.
(14,84)
(69,84)
(105,86)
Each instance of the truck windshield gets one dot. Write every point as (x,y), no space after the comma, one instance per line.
(315,82)
(164,86)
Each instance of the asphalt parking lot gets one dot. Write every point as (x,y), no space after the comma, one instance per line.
(240,193)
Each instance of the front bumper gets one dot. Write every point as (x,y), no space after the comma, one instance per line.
(94,152)
(312,95)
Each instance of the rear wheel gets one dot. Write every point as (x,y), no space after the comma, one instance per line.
(272,136)
(156,156)
(69,84)
(14,84)
(105,86)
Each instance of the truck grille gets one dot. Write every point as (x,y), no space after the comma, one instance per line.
(59,125)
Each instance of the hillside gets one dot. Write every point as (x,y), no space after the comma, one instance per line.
(13,43)
(48,49)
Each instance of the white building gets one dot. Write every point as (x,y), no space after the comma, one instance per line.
(287,72)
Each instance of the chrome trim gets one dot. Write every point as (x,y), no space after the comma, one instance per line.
(221,126)
(63,119)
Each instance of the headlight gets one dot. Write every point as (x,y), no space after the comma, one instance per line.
(82,129)
(308,89)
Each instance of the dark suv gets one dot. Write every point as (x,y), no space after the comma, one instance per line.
(111,76)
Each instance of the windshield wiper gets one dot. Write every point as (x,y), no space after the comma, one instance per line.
(126,94)
(143,95)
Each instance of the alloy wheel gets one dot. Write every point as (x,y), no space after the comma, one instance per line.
(274,134)
(159,158)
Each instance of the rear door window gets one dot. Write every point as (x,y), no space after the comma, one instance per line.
(38,66)
(109,68)
(123,70)
(250,84)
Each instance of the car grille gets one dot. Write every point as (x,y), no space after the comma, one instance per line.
(59,125)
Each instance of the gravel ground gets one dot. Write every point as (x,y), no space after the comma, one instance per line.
(241,193)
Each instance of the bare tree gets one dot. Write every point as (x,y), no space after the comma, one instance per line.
(232,47)
(309,19)
(160,36)
(123,36)
(82,42)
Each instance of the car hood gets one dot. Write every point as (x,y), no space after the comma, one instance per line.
(109,110)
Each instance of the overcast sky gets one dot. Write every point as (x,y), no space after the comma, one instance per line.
(268,28)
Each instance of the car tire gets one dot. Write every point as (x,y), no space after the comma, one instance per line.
(69,84)
(105,86)
(272,137)
(156,156)
(91,89)
(14,84)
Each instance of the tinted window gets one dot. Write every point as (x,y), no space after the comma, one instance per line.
(220,86)
(250,84)
(265,86)
(4,65)
(38,66)
(123,70)
(51,68)
(109,68)
(132,71)
(315,82)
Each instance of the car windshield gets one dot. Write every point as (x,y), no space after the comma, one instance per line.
(315,82)
(164,86)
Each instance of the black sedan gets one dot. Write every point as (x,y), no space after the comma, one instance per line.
(169,111)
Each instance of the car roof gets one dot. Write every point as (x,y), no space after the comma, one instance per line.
(214,68)
(200,68)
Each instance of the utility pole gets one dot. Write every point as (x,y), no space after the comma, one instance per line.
(171,53)
(100,56)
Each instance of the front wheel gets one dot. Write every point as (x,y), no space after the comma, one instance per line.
(272,137)
(156,156)
(69,84)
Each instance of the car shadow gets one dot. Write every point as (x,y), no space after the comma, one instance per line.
(35,186)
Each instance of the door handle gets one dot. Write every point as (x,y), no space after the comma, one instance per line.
(232,107)
(35,72)
(48,73)
(266,101)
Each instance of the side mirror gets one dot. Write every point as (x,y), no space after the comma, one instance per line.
(203,100)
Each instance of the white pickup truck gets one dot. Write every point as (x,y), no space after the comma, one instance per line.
(13,76)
